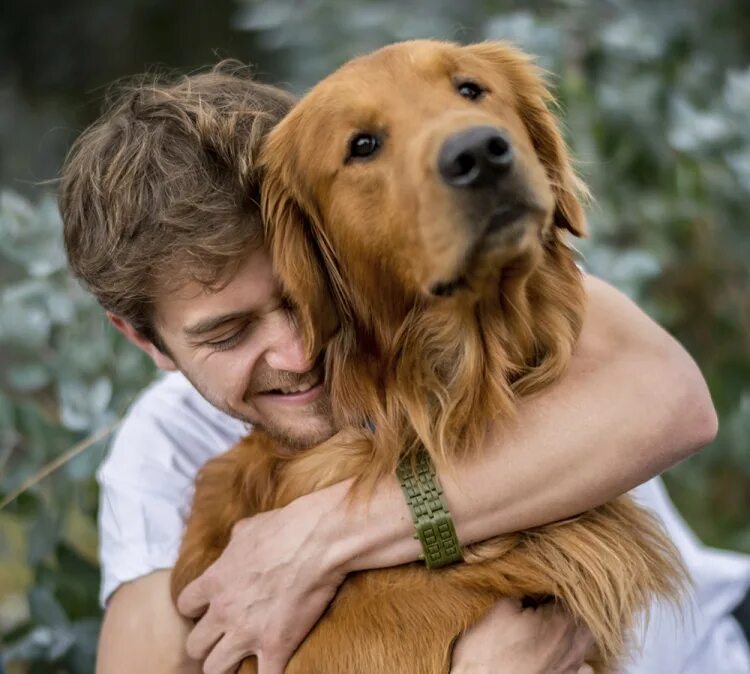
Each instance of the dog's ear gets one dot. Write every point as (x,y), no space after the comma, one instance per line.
(534,100)
(298,259)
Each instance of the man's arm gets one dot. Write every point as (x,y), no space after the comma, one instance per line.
(142,631)
(631,404)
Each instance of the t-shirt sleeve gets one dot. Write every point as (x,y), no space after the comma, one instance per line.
(146,481)
(139,533)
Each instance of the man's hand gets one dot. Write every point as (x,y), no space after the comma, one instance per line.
(266,591)
(512,640)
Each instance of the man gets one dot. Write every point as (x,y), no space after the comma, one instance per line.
(159,207)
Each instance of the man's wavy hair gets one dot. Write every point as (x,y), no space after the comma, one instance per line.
(163,188)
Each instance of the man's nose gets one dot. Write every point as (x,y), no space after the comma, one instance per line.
(286,350)
(475,157)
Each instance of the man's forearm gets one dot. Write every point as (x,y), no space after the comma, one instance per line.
(142,632)
(631,404)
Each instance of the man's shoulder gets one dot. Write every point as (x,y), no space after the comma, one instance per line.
(170,429)
(170,405)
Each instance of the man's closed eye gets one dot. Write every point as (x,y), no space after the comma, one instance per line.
(230,341)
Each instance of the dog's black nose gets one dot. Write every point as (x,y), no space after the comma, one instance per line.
(475,157)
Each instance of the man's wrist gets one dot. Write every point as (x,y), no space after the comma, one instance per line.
(363,532)
(326,526)
(386,534)
(431,516)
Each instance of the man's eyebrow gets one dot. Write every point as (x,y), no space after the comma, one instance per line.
(209,324)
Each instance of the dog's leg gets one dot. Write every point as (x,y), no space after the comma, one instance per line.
(606,566)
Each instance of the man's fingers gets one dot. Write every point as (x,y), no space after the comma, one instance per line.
(586,669)
(193,599)
(588,638)
(554,615)
(584,640)
(268,666)
(225,658)
(203,637)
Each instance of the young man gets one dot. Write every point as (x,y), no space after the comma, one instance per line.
(159,206)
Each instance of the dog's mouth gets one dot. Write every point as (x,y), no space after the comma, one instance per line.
(503,218)
(504,227)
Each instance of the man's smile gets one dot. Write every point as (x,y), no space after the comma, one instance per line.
(300,394)
(297,388)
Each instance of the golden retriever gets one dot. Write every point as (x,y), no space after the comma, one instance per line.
(417,204)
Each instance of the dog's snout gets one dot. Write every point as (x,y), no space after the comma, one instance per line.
(475,157)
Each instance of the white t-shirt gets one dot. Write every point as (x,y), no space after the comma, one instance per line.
(171,431)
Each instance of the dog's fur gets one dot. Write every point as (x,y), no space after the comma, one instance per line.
(359,245)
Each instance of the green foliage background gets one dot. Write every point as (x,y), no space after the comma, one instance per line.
(656,101)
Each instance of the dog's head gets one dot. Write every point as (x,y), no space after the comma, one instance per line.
(414,172)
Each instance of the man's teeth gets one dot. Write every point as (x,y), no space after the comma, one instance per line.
(299,388)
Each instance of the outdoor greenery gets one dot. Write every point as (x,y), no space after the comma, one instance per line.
(655,97)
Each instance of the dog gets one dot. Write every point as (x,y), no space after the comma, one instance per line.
(418,204)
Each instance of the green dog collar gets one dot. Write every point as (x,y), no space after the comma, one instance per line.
(432,519)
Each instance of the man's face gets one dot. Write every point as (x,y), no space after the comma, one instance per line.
(240,348)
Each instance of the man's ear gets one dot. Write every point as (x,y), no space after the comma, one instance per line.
(161,360)
(534,100)
(301,259)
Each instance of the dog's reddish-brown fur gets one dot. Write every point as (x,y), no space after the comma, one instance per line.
(358,245)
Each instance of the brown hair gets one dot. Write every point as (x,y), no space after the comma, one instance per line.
(163,188)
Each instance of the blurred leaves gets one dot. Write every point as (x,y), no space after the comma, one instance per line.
(63,375)
(655,100)
(31,236)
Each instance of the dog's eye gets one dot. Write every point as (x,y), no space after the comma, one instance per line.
(363,145)
(469,89)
